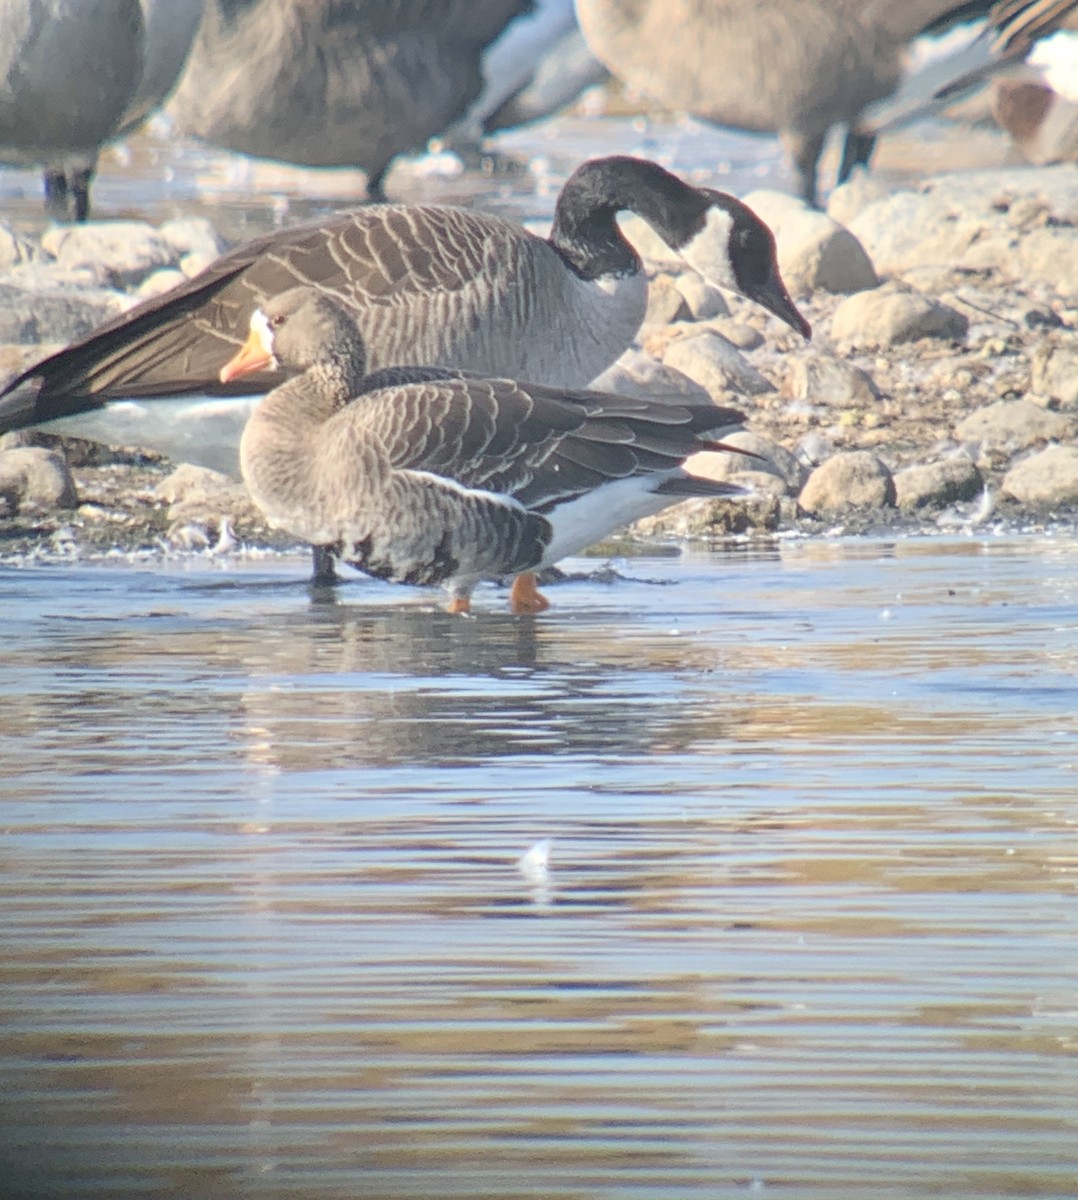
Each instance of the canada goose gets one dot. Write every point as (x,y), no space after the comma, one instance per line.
(425,284)
(427,475)
(328,83)
(792,67)
(75,75)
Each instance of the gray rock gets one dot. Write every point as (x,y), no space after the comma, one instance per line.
(46,274)
(704,301)
(1048,256)
(195,263)
(813,250)
(737,333)
(821,379)
(710,360)
(774,460)
(909,230)
(892,314)
(854,196)
(938,484)
(31,477)
(192,235)
(1045,479)
(1055,371)
(638,373)
(53,315)
(130,250)
(159,282)
(1012,425)
(850,479)
(665,303)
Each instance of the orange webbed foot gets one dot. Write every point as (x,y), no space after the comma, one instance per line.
(525,597)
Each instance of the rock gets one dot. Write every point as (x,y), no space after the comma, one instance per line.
(822,379)
(892,314)
(704,300)
(1043,125)
(638,373)
(712,362)
(737,333)
(200,497)
(813,250)
(159,282)
(1048,256)
(1055,371)
(31,477)
(130,250)
(44,275)
(850,479)
(195,263)
(854,196)
(1045,479)
(1011,425)
(54,315)
(647,243)
(774,461)
(909,230)
(665,303)
(192,235)
(938,484)
(15,249)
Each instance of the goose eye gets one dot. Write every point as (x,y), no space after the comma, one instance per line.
(277,320)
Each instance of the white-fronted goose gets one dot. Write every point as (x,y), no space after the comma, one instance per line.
(426,285)
(75,76)
(426,475)
(329,83)
(791,67)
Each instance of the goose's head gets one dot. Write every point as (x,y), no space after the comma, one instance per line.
(717,235)
(731,247)
(295,331)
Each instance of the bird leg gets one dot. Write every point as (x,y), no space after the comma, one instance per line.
(460,606)
(324,573)
(525,597)
(856,151)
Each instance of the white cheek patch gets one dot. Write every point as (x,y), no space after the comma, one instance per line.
(260,327)
(709,251)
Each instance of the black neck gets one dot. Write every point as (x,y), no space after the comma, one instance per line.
(585,232)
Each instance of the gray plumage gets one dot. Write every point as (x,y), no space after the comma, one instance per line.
(425,285)
(792,67)
(333,83)
(75,74)
(429,475)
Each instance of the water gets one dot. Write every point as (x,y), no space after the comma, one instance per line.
(808,926)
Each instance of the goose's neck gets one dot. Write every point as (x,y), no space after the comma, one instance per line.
(586,232)
(310,399)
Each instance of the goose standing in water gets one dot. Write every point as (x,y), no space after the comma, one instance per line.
(791,67)
(330,83)
(426,285)
(427,475)
(75,75)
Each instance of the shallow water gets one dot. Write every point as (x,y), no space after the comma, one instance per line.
(808,925)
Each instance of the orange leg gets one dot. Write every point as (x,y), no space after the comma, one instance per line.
(525,597)
(460,606)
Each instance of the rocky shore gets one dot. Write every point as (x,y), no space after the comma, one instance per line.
(940,390)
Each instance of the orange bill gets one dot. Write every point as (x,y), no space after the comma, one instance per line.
(251,357)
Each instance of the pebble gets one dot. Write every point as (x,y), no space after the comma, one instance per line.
(129,250)
(892,314)
(665,304)
(1046,479)
(1055,371)
(938,484)
(704,301)
(1012,425)
(638,373)
(31,477)
(814,251)
(54,314)
(849,479)
(823,379)
(711,361)
(773,460)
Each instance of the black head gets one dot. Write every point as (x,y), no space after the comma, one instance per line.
(736,250)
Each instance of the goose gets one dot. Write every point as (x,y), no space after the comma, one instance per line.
(428,475)
(426,284)
(791,67)
(328,83)
(76,75)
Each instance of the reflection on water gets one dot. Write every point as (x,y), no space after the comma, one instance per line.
(809,924)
